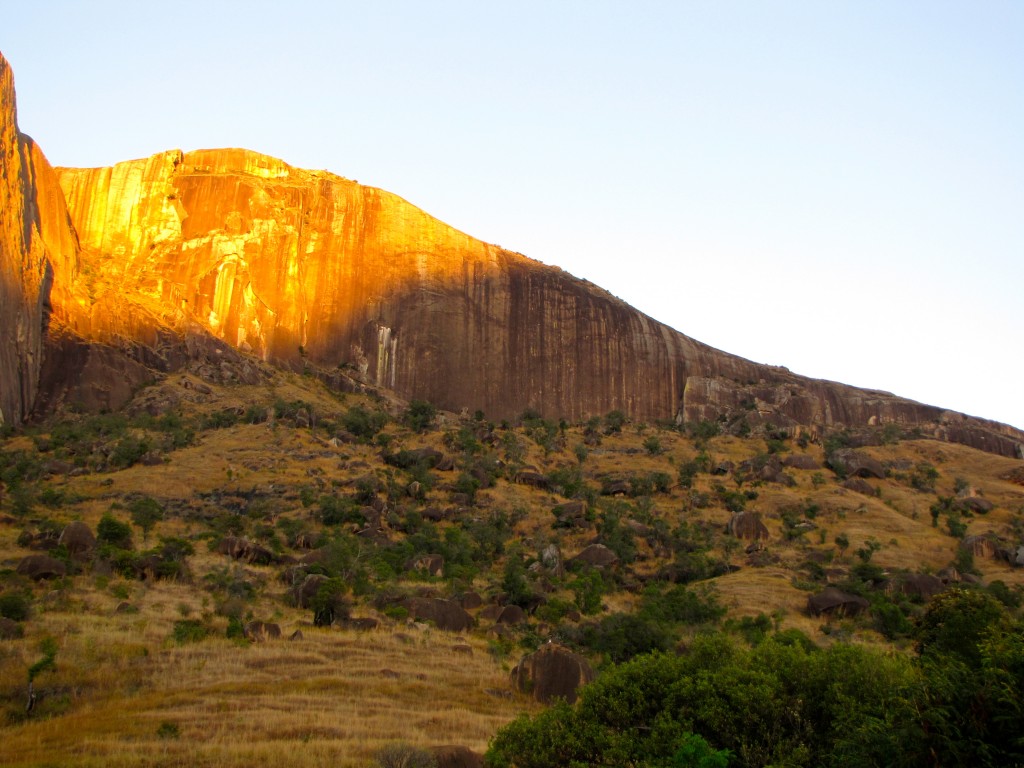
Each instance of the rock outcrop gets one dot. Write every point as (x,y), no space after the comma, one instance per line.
(202,258)
(551,672)
(37,245)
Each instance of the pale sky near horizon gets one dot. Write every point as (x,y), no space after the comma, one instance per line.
(837,187)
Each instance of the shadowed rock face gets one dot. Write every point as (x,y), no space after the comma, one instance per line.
(183,251)
(36,243)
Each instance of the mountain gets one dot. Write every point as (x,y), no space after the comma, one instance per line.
(219,252)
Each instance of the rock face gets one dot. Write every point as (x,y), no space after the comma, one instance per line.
(191,258)
(37,243)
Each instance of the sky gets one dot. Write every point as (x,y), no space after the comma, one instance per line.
(836,187)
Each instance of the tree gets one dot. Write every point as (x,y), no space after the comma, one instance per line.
(420,415)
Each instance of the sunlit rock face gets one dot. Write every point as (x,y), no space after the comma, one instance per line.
(37,257)
(291,264)
(181,259)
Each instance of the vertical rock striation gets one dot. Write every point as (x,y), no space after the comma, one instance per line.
(291,264)
(38,251)
(184,257)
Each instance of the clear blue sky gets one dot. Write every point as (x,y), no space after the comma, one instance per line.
(837,187)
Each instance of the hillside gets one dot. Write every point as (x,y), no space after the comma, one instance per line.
(144,628)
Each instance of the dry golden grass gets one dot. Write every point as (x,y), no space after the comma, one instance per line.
(336,696)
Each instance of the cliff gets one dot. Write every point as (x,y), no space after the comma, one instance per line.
(37,245)
(292,264)
(210,258)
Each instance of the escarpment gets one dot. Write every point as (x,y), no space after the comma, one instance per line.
(218,254)
(38,257)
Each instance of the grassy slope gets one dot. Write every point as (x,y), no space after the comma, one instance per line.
(324,699)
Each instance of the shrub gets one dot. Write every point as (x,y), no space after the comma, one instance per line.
(362,423)
(14,606)
(189,631)
(420,415)
(112,531)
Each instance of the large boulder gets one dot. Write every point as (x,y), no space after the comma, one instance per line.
(261,631)
(922,585)
(78,539)
(800,461)
(432,565)
(511,614)
(852,463)
(596,556)
(41,567)
(983,545)
(552,672)
(444,614)
(976,504)
(835,602)
(747,526)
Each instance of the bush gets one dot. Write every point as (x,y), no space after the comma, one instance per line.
(14,606)
(112,531)
(189,631)
(420,415)
(362,423)
(622,636)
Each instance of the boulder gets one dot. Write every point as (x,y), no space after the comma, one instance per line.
(853,463)
(490,612)
(571,514)
(511,614)
(470,600)
(533,479)
(454,756)
(261,631)
(747,526)
(983,545)
(596,556)
(444,614)
(976,504)
(78,539)
(551,672)
(432,565)
(551,559)
(800,461)
(921,585)
(41,567)
(835,602)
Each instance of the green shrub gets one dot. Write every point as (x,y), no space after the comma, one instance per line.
(189,631)
(112,531)
(420,415)
(14,606)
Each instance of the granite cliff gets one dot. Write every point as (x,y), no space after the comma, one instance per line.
(38,257)
(229,255)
